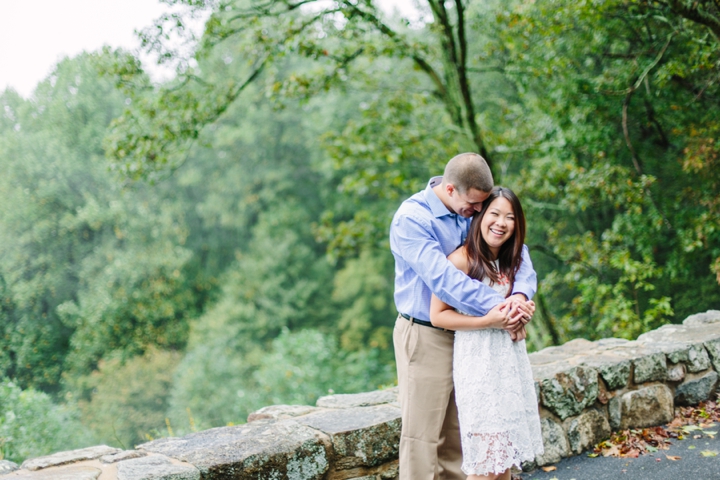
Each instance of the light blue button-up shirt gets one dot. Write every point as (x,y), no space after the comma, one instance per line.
(423,233)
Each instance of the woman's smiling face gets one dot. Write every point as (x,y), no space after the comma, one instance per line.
(498,224)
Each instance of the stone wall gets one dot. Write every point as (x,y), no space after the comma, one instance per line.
(584,388)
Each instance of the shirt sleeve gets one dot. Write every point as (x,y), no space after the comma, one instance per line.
(525,278)
(414,242)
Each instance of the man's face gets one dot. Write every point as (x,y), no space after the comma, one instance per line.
(466,204)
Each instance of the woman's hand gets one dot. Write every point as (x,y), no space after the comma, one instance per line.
(518,334)
(498,317)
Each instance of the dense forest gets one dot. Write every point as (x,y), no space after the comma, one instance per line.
(174,256)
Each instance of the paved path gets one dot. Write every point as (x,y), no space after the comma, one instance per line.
(655,466)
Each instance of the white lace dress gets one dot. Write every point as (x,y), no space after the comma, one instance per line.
(495,395)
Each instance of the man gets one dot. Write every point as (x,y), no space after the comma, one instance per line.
(425,230)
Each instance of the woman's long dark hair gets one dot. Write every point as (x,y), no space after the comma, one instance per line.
(480,258)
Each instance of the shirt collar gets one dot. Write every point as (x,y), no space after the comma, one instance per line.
(437,207)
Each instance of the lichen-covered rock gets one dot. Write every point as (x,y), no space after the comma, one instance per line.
(646,407)
(71,472)
(713,348)
(615,374)
(694,391)
(155,467)
(62,458)
(693,356)
(360,436)
(650,368)
(554,442)
(614,369)
(675,373)
(615,412)
(263,450)
(6,466)
(586,429)
(278,412)
(711,316)
(568,393)
(365,399)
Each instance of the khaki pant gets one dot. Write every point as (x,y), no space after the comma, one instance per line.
(430,439)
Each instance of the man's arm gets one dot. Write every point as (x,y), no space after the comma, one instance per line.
(412,240)
(524,289)
(525,278)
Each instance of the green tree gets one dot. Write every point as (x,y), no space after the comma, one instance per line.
(622,174)
(277,282)
(87,267)
(130,399)
(31,425)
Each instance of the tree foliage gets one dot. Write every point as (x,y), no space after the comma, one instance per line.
(597,112)
(632,219)
(31,424)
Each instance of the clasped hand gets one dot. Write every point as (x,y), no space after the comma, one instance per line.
(512,315)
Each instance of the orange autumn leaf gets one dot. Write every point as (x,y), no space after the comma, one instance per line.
(549,469)
(674,458)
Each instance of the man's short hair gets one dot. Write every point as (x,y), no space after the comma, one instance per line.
(466,171)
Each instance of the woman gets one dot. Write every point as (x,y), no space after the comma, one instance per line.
(494,388)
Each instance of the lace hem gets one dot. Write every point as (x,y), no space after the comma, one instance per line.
(493,453)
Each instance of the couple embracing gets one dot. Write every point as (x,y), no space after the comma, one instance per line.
(463,288)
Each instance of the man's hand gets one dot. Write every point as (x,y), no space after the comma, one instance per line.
(519,312)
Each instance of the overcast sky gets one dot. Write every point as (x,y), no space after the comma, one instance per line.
(36,34)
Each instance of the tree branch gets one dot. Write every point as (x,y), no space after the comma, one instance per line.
(694,13)
(462,41)
(645,72)
(423,64)
(626,132)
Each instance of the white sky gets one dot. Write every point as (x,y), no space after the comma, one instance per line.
(36,34)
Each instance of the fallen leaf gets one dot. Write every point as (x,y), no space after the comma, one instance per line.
(677,422)
(691,447)
(709,453)
(551,468)
(632,453)
(674,458)
(613,451)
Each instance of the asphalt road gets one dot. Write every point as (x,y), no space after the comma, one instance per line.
(655,466)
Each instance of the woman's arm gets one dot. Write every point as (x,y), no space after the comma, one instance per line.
(444,316)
